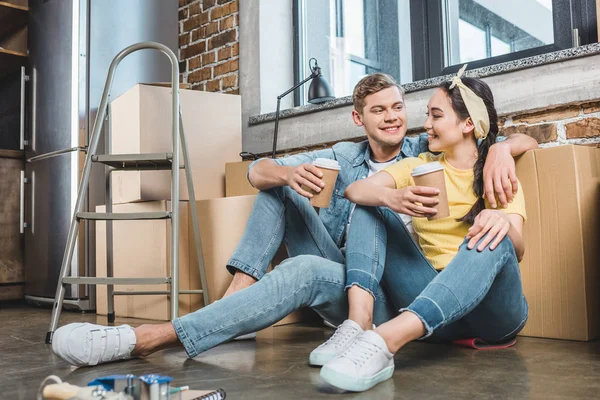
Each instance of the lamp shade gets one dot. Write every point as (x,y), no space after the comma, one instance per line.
(319,90)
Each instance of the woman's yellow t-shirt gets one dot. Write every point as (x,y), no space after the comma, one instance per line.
(441,238)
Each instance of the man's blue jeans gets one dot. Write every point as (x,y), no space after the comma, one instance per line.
(314,277)
(281,214)
(478,294)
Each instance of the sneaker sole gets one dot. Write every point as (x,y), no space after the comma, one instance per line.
(318,360)
(355,384)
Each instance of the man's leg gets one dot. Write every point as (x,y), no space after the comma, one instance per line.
(278,214)
(298,282)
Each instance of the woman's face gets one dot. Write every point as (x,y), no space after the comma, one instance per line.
(443,126)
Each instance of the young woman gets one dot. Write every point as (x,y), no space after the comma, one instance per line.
(462,280)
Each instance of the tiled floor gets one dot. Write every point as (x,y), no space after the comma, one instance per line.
(275,366)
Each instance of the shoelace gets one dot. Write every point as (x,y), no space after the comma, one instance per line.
(360,351)
(342,335)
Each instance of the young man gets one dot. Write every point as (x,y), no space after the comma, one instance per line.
(314,275)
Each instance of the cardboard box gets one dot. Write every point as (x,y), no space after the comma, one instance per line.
(561,265)
(141,123)
(222,223)
(141,249)
(236,180)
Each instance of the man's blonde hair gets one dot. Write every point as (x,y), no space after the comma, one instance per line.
(372,84)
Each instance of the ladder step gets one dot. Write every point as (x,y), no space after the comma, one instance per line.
(157,292)
(124,216)
(115,281)
(136,162)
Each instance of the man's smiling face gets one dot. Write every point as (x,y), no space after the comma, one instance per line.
(383,117)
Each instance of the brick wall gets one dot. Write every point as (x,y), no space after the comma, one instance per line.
(209,44)
(571,124)
(574,123)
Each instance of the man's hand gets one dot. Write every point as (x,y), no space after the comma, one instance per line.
(499,177)
(405,200)
(493,222)
(307,175)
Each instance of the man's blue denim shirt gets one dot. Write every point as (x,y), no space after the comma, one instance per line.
(353,159)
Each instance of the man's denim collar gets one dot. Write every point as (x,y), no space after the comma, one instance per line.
(367,154)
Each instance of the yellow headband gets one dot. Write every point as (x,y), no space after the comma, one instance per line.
(475,106)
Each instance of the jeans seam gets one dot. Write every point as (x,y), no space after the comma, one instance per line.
(239,265)
(281,218)
(309,230)
(376,258)
(266,311)
(520,325)
(184,338)
(435,304)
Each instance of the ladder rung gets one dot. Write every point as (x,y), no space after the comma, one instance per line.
(150,292)
(136,162)
(124,216)
(116,281)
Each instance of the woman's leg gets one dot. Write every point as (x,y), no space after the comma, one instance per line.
(477,294)
(378,237)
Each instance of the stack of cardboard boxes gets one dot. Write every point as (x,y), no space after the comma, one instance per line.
(141,123)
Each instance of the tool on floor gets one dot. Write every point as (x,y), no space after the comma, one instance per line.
(60,390)
(132,162)
(124,387)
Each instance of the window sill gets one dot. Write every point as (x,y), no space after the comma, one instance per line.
(497,69)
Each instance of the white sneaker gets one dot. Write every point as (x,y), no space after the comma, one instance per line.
(83,344)
(366,363)
(337,343)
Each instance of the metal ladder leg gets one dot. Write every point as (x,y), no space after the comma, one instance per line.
(110,289)
(72,237)
(175,194)
(192,195)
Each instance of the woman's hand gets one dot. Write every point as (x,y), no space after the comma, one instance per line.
(499,177)
(496,224)
(416,201)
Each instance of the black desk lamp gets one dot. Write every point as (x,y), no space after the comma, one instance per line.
(318,92)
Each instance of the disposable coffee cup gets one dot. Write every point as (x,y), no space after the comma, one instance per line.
(432,175)
(330,169)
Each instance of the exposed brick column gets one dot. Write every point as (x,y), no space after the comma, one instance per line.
(209,44)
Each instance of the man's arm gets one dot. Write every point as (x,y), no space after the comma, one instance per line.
(293,171)
(499,176)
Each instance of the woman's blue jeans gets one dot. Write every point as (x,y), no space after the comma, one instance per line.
(478,294)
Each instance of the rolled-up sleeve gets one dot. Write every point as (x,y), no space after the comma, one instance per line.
(296,159)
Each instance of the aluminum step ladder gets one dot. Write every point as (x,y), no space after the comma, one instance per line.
(133,162)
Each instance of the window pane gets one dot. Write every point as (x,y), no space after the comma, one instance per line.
(354,29)
(472,42)
(507,26)
(352,38)
(499,47)
(357,72)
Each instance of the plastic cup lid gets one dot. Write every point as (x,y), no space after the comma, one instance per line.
(427,168)
(327,163)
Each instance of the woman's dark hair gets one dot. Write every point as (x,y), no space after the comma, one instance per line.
(481,89)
